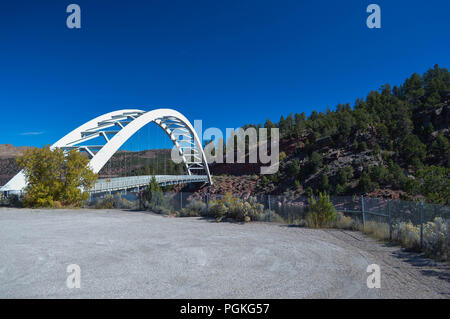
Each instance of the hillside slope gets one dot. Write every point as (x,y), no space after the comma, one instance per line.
(393,143)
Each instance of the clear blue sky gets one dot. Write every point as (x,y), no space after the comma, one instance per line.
(225,62)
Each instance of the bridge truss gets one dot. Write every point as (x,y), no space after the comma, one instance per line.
(115,128)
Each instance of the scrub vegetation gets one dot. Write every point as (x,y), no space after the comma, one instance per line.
(55,179)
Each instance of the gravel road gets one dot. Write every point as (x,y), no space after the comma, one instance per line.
(126,254)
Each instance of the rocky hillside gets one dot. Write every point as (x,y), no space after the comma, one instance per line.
(11,151)
(394,143)
(8,166)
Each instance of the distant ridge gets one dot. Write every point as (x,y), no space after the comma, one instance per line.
(10,151)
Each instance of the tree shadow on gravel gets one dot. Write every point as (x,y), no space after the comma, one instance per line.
(432,268)
(205,218)
(292,226)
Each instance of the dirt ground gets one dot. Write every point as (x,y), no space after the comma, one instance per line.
(130,254)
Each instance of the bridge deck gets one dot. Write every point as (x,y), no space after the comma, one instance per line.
(121,183)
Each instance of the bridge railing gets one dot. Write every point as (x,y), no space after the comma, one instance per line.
(131,182)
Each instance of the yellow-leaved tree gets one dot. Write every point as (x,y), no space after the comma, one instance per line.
(54,178)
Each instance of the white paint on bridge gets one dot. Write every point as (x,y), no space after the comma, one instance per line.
(129,182)
(114,129)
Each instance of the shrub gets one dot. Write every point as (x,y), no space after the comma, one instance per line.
(187,213)
(434,184)
(345,222)
(323,183)
(193,209)
(255,209)
(268,215)
(436,234)
(436,239)
(362,146)
(198,206)
(153,194)
(342,177)
(293,168)
(365,183)
(407,235)
(340,189)
(321,212)
(105,203)
(114,201)
(218,210)
(375,229)
(277,218)
(164,211)
(236,208)
(315,162)
(121,202)
(54,176)
(57,204)
(413,150)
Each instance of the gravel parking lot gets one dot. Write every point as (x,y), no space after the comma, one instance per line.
(127,254)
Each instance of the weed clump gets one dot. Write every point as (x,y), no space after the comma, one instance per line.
(321,212)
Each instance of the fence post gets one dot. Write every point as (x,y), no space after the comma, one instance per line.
(181,201)
(270,209)
(139,199)
(421,225)
(390,218)
(363,211)
(207,203)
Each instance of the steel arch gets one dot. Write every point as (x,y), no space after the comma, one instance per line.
(130,121)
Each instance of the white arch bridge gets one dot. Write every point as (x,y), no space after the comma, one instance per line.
(113,130)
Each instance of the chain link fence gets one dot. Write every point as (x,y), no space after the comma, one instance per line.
(290,210)
(415,225)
